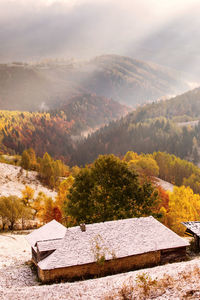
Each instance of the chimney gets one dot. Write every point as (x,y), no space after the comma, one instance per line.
(83,227)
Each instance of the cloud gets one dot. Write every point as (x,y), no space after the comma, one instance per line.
(34,29)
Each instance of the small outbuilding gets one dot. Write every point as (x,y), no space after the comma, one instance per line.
(193,229)
(50,234)
(104,248)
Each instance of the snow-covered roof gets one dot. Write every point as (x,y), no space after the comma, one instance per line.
(111,239)
(193,226)
(50,231)
(48,245)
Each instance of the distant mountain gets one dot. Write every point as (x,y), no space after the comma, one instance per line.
(32,87)
(153,127)
(133,81)
(43,86)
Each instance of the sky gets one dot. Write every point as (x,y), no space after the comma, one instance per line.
(162,31)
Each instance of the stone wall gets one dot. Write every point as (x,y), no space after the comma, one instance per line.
(172,255)
(113,266)
(34,256)
(96,269)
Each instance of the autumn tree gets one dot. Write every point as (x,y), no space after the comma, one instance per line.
(162,208)
(38,205)
(27,200)
(46,209)
(193,182)
(184,206)
(46,168)
(63,191)
(29,160)
(27,195)
(130,155)
(145,165)
(25,161)
(74,171)
(12,209)
(51,170)
(109,190)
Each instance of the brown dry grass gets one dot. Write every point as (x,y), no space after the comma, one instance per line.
(144,287)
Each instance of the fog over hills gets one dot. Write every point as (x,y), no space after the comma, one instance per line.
(165,32)
(151,38)
(86,61)
(51,83)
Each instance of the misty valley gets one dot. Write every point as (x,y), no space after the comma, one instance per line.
(99,149)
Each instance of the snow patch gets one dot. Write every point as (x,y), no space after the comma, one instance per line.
(12,181)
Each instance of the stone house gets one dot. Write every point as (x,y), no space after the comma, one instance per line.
(103,248)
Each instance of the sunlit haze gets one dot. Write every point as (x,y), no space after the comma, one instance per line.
(162,31)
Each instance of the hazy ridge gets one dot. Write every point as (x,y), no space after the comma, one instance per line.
(44,85)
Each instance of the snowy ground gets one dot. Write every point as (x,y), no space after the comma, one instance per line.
(12,182)
(189,123)
(167,186)
(18,282)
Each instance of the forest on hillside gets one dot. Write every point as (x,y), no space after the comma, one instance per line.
(184,107)
(152,127)
(157,134)
(22,130)
(53,132)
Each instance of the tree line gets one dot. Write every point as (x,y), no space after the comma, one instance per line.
(152,135)
(109,189)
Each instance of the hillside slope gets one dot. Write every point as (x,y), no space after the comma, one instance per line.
(89,111)
(180,108)
(53,132)
(133,81)
(41,131)
(152,127)
(45,85)
(13,181)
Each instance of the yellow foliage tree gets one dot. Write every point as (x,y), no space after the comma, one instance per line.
(63,191)
(74,171)
(144,164)
(27,195)
(184,206)
(130,155)
(46,209)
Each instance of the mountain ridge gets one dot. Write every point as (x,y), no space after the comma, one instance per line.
(43,85)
